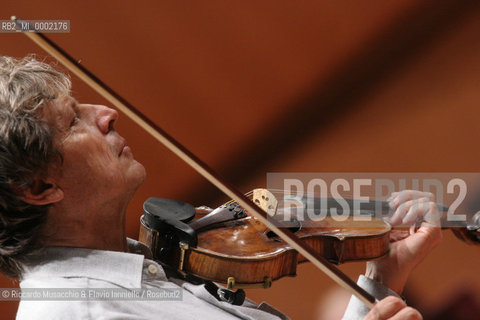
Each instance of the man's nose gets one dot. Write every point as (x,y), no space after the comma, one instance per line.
(106,118)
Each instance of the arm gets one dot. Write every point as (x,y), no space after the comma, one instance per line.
(408,247)
(407,250)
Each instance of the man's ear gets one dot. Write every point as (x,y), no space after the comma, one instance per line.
(42,193)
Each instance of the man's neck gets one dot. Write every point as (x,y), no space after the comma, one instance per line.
(102,231)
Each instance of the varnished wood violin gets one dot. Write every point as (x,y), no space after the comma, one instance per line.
(230,246)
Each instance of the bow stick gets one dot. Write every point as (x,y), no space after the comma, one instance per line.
(186,155)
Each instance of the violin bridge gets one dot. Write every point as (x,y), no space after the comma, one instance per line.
(265,200)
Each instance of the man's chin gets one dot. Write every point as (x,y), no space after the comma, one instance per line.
(140,174)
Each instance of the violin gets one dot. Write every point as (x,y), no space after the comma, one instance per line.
(229,246)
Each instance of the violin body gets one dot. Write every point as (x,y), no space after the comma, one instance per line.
(244,253)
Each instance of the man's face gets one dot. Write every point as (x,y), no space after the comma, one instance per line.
(98,167)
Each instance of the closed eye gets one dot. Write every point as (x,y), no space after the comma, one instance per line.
(74,121)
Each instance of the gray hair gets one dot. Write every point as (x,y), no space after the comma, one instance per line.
(27,151)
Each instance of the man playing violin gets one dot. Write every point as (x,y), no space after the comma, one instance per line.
(66,180)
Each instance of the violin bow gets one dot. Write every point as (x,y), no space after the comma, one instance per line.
(186,155)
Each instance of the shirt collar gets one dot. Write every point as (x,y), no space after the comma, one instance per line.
(121,268)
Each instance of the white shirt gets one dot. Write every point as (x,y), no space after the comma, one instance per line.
(356,309)
(65,267)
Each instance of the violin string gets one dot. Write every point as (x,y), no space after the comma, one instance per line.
(306,194)
(284,192)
